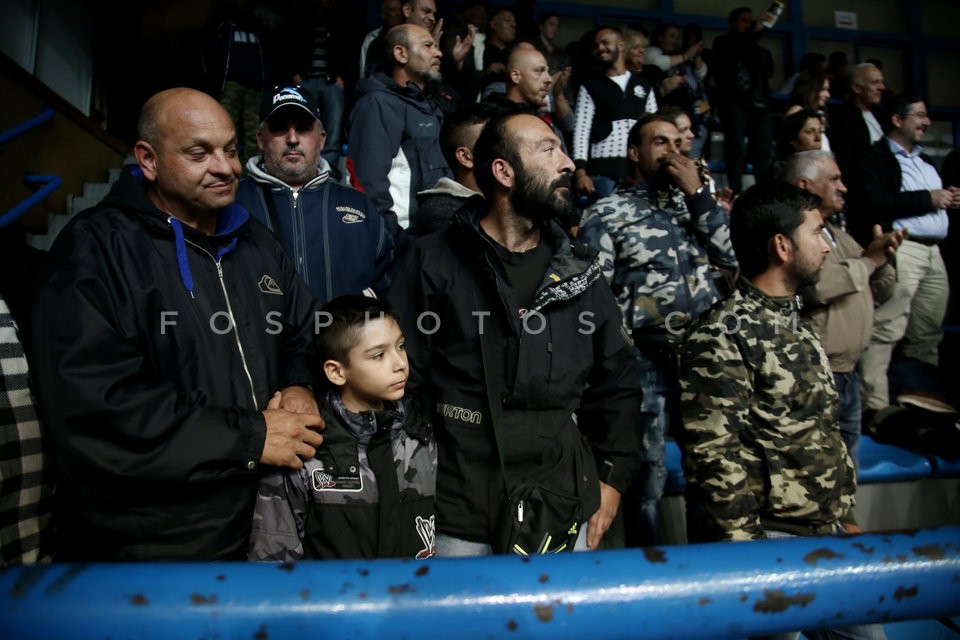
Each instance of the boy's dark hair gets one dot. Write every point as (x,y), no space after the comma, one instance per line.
(347,316)
(763,211)
(452,133)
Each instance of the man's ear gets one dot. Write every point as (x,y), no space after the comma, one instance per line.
(260,136)
(146,157)
(400,53)
(335,372)
(321,139)
(464,156)
(514,76)
(502,172)
(407,10)
(781,247)
(633,153)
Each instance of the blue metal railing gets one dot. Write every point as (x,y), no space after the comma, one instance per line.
(50,183)
(46,115)
(697,591)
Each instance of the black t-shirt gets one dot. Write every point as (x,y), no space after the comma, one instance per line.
(525,270)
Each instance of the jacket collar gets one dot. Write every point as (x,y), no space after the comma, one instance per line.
(784,305)
(573,265)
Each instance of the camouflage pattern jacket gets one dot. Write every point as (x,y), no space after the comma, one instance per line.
(656,251)
(760,437)
(368,493)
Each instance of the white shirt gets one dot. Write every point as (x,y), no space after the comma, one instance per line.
(916,174)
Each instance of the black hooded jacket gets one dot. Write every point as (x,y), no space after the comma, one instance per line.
(157,346)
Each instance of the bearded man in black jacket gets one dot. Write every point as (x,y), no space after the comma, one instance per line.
(167,321)
(516,338)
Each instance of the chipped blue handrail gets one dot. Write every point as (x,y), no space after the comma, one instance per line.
(685,592)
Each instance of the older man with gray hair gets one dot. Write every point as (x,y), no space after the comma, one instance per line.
(840,305)
(853,124)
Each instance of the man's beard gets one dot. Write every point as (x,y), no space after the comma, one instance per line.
(431,77)
(539,202)
(292,174)
(614,58)
(803,273)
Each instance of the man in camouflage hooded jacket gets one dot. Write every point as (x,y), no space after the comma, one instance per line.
(660,237)
(762,449)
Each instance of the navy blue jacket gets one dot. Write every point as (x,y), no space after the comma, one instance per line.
(335,236)
(393,146)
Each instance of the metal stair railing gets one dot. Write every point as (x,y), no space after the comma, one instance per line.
(50,183)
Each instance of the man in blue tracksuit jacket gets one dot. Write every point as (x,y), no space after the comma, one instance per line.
(393,149)
(336,237)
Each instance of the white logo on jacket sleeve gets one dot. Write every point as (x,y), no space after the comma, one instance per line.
(639,91)
(269,285)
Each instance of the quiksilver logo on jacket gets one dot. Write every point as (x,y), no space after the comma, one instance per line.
(459,413)
(269,285)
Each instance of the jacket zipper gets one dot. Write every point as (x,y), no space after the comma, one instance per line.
(299,249)
(233,322)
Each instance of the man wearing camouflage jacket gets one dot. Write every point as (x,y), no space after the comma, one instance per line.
(762,449)
(658,235)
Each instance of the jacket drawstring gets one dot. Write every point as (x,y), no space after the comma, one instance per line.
(183,262)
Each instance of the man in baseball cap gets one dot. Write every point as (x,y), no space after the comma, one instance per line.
(288,95)
(319,222)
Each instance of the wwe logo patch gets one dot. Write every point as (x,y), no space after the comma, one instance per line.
(322,480)
(428,535)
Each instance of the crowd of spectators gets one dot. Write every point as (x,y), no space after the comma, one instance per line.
(469,159)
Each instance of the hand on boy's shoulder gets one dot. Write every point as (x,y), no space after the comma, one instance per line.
(291,436)
(297,399)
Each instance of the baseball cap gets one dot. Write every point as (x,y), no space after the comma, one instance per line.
(284,95)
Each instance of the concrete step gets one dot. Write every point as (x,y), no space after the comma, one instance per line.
(55,224)
(97,190)
(40,241)
(76,204)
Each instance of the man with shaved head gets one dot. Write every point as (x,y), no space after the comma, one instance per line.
(175,353)
(529,335)
(395,126)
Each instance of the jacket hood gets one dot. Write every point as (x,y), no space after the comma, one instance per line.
(256,170)
(129,194)
(447,186)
